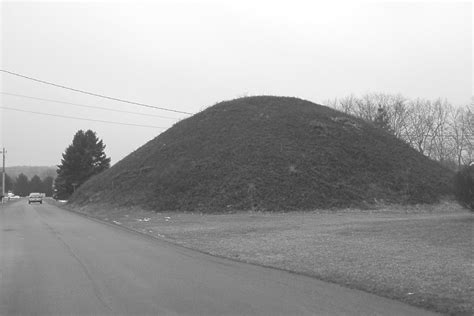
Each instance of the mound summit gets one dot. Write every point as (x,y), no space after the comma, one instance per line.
(268,153)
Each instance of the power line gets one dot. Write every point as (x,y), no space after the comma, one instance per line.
(91,93)
(79,118)
(85,106)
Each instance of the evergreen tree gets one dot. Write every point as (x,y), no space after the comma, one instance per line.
(36,185)
(9,183)
(48,186)
(84,158)
(22,185)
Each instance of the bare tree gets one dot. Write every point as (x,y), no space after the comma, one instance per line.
(420,125)
(399,113)
(439,147)
(345,104)
(435,128)
(366,107)
(460,136)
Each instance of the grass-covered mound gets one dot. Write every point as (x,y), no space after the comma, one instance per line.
(268,153)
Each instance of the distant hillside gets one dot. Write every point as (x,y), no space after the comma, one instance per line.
(268,153)
(30,171)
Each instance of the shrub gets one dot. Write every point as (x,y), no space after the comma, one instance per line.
(464,186)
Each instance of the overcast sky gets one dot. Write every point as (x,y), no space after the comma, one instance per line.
(187,55)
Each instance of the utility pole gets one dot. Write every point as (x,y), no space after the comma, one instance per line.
(3,174)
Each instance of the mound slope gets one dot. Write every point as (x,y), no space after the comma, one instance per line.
(268,153)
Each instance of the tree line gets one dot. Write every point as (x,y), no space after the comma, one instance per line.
(84,158)
(435,128)
(23,186)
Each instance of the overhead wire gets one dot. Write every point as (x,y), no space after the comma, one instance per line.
(92,93)
(103,108)
(80,118)
(85,106)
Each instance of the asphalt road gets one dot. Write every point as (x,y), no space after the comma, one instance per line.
(54,262)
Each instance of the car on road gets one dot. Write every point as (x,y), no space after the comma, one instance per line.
(11,196)
(35,198)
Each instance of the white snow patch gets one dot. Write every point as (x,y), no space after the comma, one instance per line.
(146,219)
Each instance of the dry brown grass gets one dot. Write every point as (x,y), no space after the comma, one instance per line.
(419,255)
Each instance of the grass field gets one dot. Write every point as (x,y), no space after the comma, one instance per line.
(422,255)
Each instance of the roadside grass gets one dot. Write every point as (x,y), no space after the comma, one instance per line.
(422,255)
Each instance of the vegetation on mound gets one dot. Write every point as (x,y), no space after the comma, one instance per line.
(268,153)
